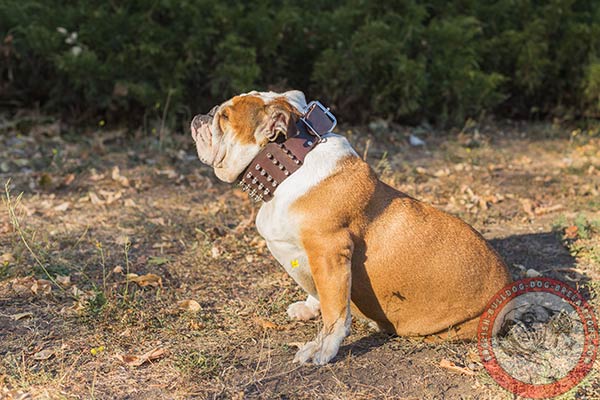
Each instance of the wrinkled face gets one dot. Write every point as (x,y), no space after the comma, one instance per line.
(233,133)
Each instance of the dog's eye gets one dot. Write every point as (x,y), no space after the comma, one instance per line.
(224,115)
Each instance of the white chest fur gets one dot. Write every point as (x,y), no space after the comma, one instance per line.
(279,227)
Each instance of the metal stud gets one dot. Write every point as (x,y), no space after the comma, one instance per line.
(257,167)
(269,178)
(275,161)
(286,172)
(281,167)
(249,175)
(266,192)
(274,184)
(261,186)
(263,172)
(310,143)
(297,161)
(269,155)
(252,193)
(255,181)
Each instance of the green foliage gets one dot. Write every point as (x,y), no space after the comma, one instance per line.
(405,60)
(591,86)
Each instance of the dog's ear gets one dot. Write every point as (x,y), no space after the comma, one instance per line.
(297,99)
(281,114)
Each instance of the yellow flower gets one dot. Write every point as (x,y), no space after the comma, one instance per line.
(97,350)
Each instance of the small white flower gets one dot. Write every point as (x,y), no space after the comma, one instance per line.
(72,38)
(61,30)
(76,50)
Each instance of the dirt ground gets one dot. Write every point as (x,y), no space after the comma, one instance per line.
(128,271)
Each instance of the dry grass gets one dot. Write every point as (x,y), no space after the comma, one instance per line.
(163,213)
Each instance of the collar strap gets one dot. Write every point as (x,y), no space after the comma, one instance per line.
(276,162)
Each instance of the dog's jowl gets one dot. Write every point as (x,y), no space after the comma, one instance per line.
(353,243)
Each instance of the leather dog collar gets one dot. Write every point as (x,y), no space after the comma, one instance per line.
(276,162)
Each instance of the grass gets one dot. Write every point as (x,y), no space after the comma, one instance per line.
(11,206)
(194,233)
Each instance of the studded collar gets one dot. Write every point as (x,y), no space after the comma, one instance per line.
(276,162)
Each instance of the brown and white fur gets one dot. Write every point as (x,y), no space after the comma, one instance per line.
(353,243)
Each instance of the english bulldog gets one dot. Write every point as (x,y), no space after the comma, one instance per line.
(355,244)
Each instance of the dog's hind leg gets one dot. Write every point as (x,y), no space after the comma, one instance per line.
(304,310)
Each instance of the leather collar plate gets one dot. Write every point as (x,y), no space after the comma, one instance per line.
(275,163)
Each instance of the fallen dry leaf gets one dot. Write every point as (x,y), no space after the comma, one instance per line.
(63,280)
(94,199)
(189,305)
(41,286)
(157,221)
(571,232)
(129,203)
(473,356)
(145,280)
(22,286)
(527,206)
(62,207)
(266,324)
(118,269)
(549,209)
(169,173)
(136,361)
(68,179)
(43,355)
(94,176)
(442,173)
(444,363)
(117,177)
(19,316)
(110,197)
(77,292)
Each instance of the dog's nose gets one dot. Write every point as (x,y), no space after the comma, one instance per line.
(200,120)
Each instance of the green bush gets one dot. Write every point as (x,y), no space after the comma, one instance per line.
(405,60)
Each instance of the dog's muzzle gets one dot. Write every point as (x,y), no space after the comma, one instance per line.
(197,123)
(201,119)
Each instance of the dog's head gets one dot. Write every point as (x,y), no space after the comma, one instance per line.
(233,133)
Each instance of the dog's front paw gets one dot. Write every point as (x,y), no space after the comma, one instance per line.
(301,311)
(306,352)
(319,352)
(322,350)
